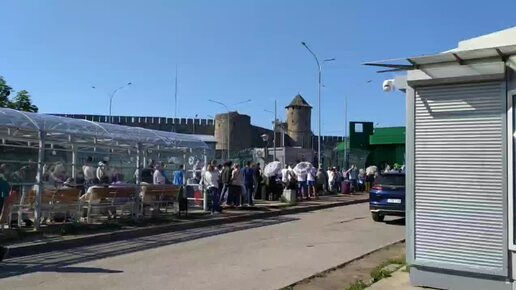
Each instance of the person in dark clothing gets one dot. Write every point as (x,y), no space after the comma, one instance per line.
(148,172)
(219,168)
(249,183)
(257,180)
(226,181)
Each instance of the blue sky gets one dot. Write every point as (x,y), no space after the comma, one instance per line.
(229,51)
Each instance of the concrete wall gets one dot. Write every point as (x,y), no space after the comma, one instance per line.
(186,126)
(243,136)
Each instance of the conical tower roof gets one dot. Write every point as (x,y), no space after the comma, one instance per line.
(298,101)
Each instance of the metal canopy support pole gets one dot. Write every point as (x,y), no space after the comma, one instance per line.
(74,158)
(229,132)
(138,163)
(145,159)
(138,207)
(203,188)
(185,171)
(274,140)
(39,180)
(319,160)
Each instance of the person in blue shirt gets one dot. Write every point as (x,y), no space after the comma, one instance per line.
(249,183)
(179,176)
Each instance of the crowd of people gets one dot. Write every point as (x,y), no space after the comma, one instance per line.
(89,175)
(315,181)
(229,185)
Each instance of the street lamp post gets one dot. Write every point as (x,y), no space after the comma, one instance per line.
(265,139)
(274,129)
(318,99)
(346,135)
(111,96)
(229,120)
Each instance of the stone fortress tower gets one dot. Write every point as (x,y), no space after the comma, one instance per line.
(299,120)
(240,130)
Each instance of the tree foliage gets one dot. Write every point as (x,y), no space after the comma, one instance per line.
(22,101)
(5,91)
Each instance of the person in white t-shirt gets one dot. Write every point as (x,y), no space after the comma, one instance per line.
(210,180)
(302,185)
(312,173)
(332,178)
(285,176)
(103,172)
(89,172)
(158,177)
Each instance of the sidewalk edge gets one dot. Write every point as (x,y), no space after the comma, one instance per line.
(32,249)
(290,286)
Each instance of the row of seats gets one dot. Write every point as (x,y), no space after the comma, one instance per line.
(99,202)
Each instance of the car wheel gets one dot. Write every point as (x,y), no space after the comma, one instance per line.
(377,217)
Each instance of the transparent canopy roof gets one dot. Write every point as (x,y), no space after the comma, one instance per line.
(103,132)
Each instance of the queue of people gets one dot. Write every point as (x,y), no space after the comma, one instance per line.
(228,185)
(90,174)
(315,181)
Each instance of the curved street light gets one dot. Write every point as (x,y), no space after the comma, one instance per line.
(319,69)
(111,96)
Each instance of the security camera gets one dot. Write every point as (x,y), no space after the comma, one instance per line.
(388,85)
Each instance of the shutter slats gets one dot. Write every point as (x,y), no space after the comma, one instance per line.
(458,181)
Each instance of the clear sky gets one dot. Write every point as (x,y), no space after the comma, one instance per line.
(227,50)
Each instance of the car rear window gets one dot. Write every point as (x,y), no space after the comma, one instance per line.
(390,179)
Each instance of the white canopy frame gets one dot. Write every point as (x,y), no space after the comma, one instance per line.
(76,133)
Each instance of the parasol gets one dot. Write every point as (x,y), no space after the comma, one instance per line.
(272,169)
(302,168)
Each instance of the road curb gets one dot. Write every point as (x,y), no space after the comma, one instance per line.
(319,274)
(44,247)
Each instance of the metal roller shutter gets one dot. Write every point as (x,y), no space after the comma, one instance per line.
(459,195)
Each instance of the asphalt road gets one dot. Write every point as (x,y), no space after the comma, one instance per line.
(259,254)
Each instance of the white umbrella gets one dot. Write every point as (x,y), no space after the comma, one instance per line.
(371,170)
(302,168)
(272,169)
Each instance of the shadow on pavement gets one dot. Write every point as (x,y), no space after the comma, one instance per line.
(59,260)
(81,270)
(397,222)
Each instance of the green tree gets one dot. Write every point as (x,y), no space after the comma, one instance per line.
(22,102)
(5,91)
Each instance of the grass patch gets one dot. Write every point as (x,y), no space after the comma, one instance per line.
(378,273)
(357,285)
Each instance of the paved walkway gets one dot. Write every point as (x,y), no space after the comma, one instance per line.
(255,254)
(261,208)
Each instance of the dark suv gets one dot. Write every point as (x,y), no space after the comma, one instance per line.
(387,196)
